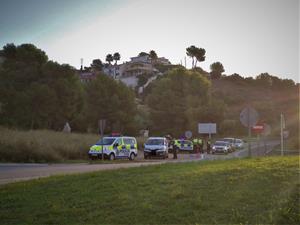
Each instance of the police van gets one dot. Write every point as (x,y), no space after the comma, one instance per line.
(114,148)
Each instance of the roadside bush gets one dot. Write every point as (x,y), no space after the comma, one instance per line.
(43,145)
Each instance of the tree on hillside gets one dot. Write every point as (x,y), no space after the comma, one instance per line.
(116,57)
(35,92)
(200,55)
(143,54)
(197,54)
(153,56)
(216,70)
(178,101)
(97,65)
(9,51)
(109,58)
(113,101)
(191,52)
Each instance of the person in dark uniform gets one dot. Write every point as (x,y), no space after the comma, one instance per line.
(208,146)
(175,149)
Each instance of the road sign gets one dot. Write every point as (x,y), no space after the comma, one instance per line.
(249,117)
(188,134)
(258,128)
(207,128)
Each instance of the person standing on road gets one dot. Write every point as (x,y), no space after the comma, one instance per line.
(208,146)
(175,149)
(200,141)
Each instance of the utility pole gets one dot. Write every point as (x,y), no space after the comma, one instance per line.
(249,131)
(282,125)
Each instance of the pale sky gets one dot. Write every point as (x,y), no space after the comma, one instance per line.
(248,37)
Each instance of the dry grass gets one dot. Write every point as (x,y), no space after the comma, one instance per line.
(43,145)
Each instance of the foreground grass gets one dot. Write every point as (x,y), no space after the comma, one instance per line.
(248,191)
(43,145)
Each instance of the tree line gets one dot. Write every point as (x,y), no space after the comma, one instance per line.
(36,93)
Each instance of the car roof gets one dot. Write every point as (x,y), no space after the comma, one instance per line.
(119,137)
(221,142)
(156,138)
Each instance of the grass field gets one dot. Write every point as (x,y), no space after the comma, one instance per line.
(247,191)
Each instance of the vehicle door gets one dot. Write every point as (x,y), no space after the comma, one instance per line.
(166,144)
(188,146)
(118,145)
(128,145)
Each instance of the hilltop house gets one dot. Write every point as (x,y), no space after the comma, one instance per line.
(128,72)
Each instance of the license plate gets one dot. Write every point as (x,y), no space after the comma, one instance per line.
(94,154)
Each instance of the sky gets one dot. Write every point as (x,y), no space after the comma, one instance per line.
(248,37)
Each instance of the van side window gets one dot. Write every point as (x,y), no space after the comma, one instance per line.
(128,141)
(119,141)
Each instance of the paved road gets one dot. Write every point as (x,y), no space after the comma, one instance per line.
(12,172)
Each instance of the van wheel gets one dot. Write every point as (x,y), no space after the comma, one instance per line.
(112,156)
(131,157)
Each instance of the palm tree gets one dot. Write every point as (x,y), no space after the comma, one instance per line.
(109,58)
(116,57)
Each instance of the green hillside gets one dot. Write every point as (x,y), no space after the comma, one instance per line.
(248,191)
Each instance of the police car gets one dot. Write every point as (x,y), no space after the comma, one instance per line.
(182,145)
(114,147)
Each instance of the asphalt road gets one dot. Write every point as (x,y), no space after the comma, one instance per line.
(12,172)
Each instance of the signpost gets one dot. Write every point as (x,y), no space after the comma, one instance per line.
(188,134)
(101,124)
(249,118)
(266,132)
(207,128)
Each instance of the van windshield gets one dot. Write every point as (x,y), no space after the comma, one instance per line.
(155,142)
(105,141)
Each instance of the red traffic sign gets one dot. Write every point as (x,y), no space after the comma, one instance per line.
(259,128)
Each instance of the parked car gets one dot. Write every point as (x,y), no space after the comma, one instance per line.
(239,143)
(156,147)
(221,147)
(232,142)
